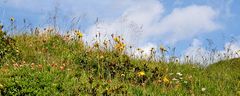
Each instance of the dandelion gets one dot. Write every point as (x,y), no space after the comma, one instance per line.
(120,46)
(116,39)
(165,80)
(203,89)
(142,73)
(78,33)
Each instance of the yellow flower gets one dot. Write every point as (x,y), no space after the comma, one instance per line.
(79,33)
(120,46)
(12,19)
(165,80)
(142,73)
(116,39)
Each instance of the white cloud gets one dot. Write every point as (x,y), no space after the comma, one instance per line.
(185,23)
(139,26)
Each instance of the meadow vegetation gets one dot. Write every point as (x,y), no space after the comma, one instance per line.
(48,63)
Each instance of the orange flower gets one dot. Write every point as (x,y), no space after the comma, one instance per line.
(40,66)
(62,68)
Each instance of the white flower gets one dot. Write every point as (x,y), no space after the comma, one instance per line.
(179,74)
(174,79)
(203,89)
(185,82)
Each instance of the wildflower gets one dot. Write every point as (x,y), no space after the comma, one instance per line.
(16,65)
(116,39)
(101,57)
(165,80)
(79,33)
(12,19)
(32,66)
(62,67)
(141,73)
(122,75)
(179,74)
(120,46)
(174,79)
(203,89)
(162,48)
(185,82)
(40,66)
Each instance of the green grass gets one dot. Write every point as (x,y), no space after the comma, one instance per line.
(51,65)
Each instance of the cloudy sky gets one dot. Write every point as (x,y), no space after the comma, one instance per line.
(185,24)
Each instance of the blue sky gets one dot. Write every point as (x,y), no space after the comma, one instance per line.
(184,24)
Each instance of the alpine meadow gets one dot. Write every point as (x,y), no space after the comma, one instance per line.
(119,47)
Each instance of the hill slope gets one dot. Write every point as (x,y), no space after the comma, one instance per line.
(54,65)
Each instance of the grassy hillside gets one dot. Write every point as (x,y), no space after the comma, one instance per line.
(51,64)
